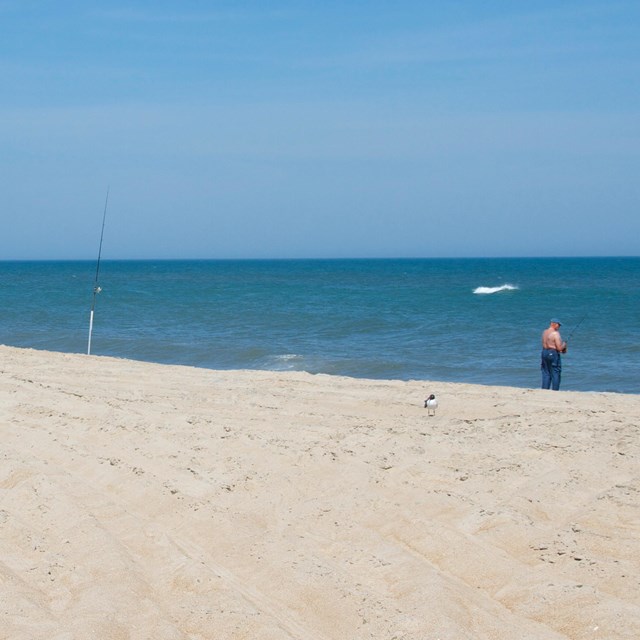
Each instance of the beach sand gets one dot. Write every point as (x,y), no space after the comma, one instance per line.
(142,501)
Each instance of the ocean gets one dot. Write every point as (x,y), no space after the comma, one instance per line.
(457,320)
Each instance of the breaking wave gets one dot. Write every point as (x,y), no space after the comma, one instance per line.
(488,290)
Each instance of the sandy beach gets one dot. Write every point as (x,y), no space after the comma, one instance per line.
(142,501)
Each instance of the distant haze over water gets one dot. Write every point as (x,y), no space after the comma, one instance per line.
(459,320)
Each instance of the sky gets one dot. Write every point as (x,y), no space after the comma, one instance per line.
(300,129)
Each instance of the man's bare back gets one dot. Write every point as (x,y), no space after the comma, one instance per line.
(551,339)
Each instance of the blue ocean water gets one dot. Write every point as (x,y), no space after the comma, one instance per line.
(460,320)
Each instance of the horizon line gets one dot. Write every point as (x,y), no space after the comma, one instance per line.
(324,259)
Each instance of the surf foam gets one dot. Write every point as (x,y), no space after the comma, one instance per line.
(489,290)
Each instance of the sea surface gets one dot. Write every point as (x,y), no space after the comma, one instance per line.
(458,320)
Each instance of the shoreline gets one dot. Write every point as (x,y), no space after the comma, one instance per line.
(146,500)
(277,372)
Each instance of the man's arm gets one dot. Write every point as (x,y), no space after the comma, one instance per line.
(560,344)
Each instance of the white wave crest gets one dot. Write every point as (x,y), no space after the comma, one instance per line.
(488,290)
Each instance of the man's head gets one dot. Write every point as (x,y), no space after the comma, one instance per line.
(556,322)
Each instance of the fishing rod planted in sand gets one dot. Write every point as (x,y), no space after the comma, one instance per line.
(96,287)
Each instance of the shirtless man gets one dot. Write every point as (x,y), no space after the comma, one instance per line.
(551,363)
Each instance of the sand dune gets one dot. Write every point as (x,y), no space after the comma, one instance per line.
(141,501)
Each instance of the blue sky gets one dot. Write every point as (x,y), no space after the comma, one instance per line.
(319,129)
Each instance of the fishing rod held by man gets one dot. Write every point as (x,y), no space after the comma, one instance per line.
(574,328)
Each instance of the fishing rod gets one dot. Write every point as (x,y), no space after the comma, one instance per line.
(574,328)
(96,287)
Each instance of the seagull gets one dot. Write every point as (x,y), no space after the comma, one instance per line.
(431,404)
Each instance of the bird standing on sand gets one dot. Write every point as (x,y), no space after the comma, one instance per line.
(431,404)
